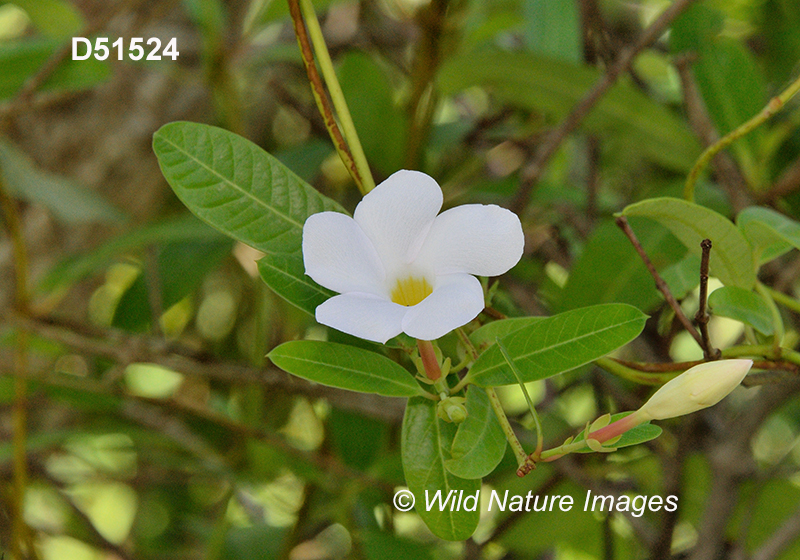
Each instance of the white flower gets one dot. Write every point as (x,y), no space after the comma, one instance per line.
(696,388)
(399,267)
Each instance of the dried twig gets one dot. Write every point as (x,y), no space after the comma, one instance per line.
(549,147)
(701,317)
(622,222)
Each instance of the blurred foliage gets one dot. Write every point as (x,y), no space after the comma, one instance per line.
(158,428)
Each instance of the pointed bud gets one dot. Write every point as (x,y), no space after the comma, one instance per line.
(696,388)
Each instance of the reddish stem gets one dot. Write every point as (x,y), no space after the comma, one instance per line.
(429,360)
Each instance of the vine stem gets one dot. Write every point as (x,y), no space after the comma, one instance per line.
(775,104)
(348,146)
(20,533)
(777,321)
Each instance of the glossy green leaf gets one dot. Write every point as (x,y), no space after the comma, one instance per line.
(742,305)
(559,343)
(480,443)
(486,335)
(683,276)
(554,86)
(731,256)
(67,200)
(770,233)
(425,446)
(640,434)
(346,367)
(246,193)
(610,270)
(22,59)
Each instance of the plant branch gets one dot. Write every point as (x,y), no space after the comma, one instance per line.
(362,179)
(623,224)
(701,317)
(549,147)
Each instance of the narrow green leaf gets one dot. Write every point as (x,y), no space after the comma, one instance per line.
(246,193)
(770,233)
(554,86)
(346,367)
(68,201)
(559,343)
(742,305)
(731,256)
(425,446)
(480,443)
(640,434)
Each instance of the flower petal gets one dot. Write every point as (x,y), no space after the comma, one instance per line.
(486,240)
(456,300)
(397,214)
(363,315)
(338,255)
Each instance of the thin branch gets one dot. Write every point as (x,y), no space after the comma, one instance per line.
(787,183)
(548,148)
(622,222)
(701,317)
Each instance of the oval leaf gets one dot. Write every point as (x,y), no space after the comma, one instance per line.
(346,367)
(731,256)
(770,233)
(480,443)
(425,444)
(742,305)
(559,343)
(246,193)
(486,335)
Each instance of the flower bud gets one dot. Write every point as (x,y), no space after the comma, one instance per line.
(696,388)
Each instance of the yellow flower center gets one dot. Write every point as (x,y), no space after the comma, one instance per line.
(411,291)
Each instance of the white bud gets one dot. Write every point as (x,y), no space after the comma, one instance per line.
(696,388)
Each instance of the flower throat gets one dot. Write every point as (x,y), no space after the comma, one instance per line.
(410,291)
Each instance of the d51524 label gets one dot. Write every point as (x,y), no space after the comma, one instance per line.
(82,48)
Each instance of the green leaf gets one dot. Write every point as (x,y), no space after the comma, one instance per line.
(380,125)
(246,193)
(486,335)
(610,271)
(67,200)
(770,233)
(559,343)
(553,29)
(727,74)
(742,305)
(55,18)
(683,276)
(554,86)
(425,444)
(480,443)
(640,434)
(346,367)
(22,59)
(731,256)
(185,228)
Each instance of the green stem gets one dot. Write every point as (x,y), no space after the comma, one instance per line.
(777,320)
(775,104)
(787,301)
(337,97)
(513,366)
(516,446)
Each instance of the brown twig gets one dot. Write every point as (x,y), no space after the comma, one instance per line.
(622,222)
(318,89)
(787,183)
(701,317)
(548,148)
